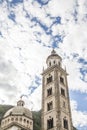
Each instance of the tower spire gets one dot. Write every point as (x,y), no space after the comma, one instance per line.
(53,51)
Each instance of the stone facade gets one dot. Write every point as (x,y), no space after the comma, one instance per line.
(56,114)
(17,118)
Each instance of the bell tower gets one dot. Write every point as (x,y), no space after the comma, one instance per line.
(56,113)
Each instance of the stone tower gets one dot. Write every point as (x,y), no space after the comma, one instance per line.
(56,114)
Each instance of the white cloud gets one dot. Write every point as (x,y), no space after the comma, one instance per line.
(74,77)
(23,56)
(36,99)
(75,41)
(56,8)
(79,117)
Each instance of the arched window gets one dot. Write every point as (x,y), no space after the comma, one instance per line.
(62,80)
(24,120)
(59,63)
(62,92)
(65,123)
(49,91)
(20,119)
(49,106)
(54,62)
(28,121)
(49,63)
(50,123)
(49,79)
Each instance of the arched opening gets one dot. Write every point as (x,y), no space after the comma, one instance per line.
(65,123)
(50,123)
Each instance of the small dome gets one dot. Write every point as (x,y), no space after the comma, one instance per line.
(20,103)
(53,59)
(19,110)
(53,55)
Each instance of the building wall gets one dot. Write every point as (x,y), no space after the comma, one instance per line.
(21,120)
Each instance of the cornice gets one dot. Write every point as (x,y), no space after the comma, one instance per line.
(50,69)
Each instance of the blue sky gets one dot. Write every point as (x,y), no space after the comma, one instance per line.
(29,29)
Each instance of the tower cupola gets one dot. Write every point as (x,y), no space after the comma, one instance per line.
(53,59)
(20,103)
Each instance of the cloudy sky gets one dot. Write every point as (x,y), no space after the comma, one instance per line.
(29,29)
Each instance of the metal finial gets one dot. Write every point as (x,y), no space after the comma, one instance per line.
(53,51)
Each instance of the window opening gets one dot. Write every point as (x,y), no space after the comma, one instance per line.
(59,63)
(62,92)
(54,62)
(61,80)
(49,91)
(65,123)
(27,121)
(49,63)
(49,106)
(50,123)
(20,119)
(24,120)
(49,79)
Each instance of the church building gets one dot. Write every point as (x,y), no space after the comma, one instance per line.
(17,118)
(56,113)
